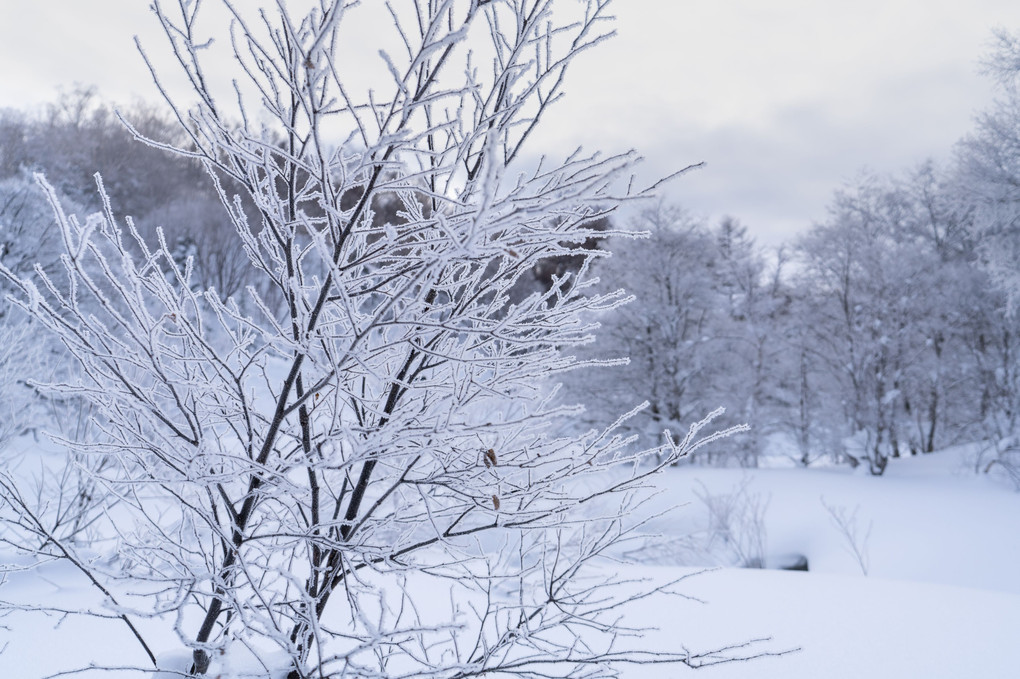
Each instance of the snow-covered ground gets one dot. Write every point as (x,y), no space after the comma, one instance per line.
(941,598)
(942,594)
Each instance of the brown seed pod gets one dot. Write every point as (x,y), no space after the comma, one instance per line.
(490,458)
(495,502)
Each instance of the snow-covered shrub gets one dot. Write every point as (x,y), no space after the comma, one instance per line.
(735,530)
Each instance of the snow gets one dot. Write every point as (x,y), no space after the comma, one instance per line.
(846,626)
(941,598)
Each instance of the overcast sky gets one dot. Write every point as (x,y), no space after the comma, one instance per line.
(784,99)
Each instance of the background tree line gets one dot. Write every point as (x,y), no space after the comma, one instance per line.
(886,329)
(881,331)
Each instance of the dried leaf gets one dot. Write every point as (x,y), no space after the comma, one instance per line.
(495,502)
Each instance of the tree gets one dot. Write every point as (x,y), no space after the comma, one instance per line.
(989,164)
(295,481)
(662,334)
(28,233)
(28,238)
(861,276)
(893,300)
(696,337)
(750,359)
(987,180)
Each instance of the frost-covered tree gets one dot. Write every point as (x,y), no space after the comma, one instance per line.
(698,335)
(894,296)
(751,359)
(368,481)
(28,231)
(29,238)
(989,164)
(661,336)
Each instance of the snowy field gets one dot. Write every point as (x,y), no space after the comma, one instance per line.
(941,597)
(942,594)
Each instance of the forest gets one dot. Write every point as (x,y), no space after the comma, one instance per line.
(881,331)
